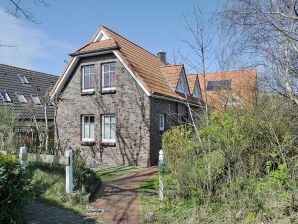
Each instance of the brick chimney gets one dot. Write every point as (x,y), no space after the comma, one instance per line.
(162,56)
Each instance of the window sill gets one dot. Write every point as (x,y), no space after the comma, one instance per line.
(108,90)
(87,143)
(105,143)
(87,92)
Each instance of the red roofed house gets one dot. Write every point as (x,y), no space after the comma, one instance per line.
(116,99)
(226,89)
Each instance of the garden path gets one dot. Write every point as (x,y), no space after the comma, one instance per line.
(119,200)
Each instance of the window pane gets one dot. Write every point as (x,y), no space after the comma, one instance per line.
(86,119)
(86,82)
(113,131)
(86,130)
(112,67)
(91,131)
(106,133)
(106,80)
(92,69)
(91,119)
(112,79)
(113,120)
(107,119)
(106,68)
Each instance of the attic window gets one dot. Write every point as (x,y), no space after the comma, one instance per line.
(197,93)
(24,79)
(5,97)
(180,88)
(218,85)
(35,99)
(21,98)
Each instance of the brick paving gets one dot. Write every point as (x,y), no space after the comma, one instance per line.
(119,200)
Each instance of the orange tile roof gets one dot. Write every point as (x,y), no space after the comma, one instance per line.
(243,84)
(104,44)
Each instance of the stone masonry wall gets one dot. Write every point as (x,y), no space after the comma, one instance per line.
(130,105)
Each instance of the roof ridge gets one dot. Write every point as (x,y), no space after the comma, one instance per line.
(131,42)
(30,70)
(228,71)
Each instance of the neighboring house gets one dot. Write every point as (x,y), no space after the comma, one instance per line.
(225,89)
(22,92)
(116,100)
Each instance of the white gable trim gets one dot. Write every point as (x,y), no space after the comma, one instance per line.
(101,36)
(132,74)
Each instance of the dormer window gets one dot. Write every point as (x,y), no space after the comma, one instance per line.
(234,100)
(108,81)
(180,88)
(88,78)
(24,79)
(21,98)
(35,99)
(218,85)
(5,97)
(197,92)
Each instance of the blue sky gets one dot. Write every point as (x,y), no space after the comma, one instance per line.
(66,25)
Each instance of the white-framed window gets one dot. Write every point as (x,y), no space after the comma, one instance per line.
(108,128)
(88,78)
(88,128)
(21,97)
(161,122)
(108,72)
(24,79)
(35,99)
(5,97)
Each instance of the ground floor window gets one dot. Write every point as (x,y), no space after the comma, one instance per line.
(108,128)
(88,128)
(161,122)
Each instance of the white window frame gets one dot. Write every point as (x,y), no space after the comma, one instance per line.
(21,97)
(24,79)
(84,139)
(89,74)
(103,73)
(33,97)
(110,140)
(162,122)
(5,97)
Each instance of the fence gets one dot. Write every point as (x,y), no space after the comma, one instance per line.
(66,160)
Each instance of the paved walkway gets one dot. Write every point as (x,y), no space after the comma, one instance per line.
(40,213)
(119,200)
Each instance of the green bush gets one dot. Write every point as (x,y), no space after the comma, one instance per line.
(12,190)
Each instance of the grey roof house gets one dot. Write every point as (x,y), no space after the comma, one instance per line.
(22,92)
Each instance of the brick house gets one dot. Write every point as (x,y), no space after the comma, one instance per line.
(226,89)
(116,99)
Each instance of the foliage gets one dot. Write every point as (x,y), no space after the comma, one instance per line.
(240,165)
(7,122)
(12,190)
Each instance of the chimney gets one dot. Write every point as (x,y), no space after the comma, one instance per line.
(162,56)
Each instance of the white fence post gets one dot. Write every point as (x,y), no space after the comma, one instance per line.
(161,170)
(69,172)
(22,156)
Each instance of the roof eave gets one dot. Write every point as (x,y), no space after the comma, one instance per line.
(94,51)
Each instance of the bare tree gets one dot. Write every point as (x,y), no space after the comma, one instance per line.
(266,31)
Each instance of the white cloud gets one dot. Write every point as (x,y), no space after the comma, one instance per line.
(32,47)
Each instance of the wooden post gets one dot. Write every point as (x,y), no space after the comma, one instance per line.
(161,170)
(69,172)
(23,155)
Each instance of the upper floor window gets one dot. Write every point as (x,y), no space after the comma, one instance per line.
(35,99)
(109,76)
(88,128)
(5,97)
(21,97)
(218,85)
(24,79)
(161,122)
(108,128)
(88,78)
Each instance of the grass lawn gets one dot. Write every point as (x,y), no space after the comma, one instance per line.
(148,196)
(109,173)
